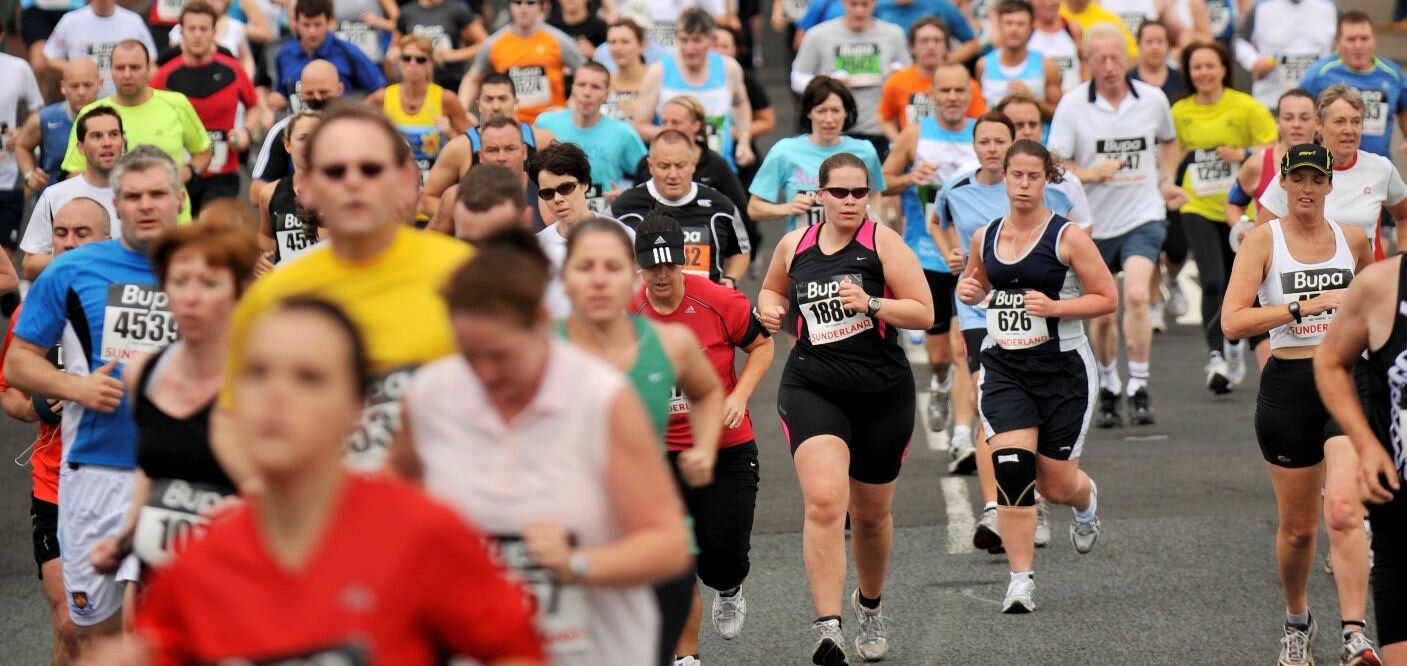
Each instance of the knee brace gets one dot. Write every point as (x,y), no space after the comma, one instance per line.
(1016,476)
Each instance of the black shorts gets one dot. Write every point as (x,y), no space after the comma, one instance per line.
(11,216)
(1052,392)
(206,189)
(941,284)
(1292,423)
(972,347)
(37,24)
(875,425)
(44,518)
(1390,568)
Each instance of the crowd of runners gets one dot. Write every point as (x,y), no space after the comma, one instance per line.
(335,315)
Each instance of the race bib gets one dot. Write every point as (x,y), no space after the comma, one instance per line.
(136,320)
(1306,284)
(698,251)
(531,85)
(596,201)
(1137,159)
(678,404)
(919,106)
(860,62)
(293,241)
(366,38)
(662,33)
(423,166)
(619,105)
(1010,325)
(102,56)
(560,610)
(434,33)
(55,5)
(172,518)
(713,132)
(169,11)
(816,214)
(1219,16)
(1375,112)
(381,419)
(980,8)
(1069,71)
(1133,21)
(219,150)
(827,320)
(1292,68)
(1209,174)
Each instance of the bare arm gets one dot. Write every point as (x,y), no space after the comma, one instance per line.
(772,299)
(901,157)
(647,100)
(736,266)
(912,304)
(27,369)
(764,121)
(1399,212)
(401,456)
(762,209)
(25,144)
(1241,316)
(973,285)
(742,113)
(34,264)
(1101,295)
(1053,90)
(458,119)
(444,173)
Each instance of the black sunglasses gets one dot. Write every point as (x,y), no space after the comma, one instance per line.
(841,192)
(339,171)
(523,2)
(420,59)
(547,194)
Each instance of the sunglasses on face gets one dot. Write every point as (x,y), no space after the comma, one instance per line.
(339,171)
(841,192)
(547,194)
(420,59)
(523,2)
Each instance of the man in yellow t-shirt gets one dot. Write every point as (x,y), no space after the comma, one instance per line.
(149,116)
(384,274)
(1088,13)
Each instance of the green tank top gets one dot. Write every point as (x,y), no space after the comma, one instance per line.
(652,374)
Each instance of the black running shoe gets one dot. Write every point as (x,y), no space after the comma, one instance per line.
(1142,411)
(1109,410)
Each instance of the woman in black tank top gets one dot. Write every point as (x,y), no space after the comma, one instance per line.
(203,269)
(286,228)
(847,394)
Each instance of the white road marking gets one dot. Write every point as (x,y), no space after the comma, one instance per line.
(960,519)
(967,592)
(1145,438)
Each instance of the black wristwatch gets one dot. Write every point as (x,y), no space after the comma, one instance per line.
(873,306)
(1295,312)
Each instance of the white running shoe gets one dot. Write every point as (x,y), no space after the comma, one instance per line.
(1359,651)
(830,644)
(728,614)
(1176,300)
(1218,374)
(986,537)
(1020,595)
(1295,646)
(964,456)
(691,660)
(1156,318)
(915,337)
(1235,360)
(871,644)
(1084,534)
(938,406)
(1042,523)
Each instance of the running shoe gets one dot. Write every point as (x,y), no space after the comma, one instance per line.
(1235,353)
(1042,523)
(1109,410)
(1218,374)
(1083,534)
(1020,595)
(871,644)
(728,614)
(938,406)
(915,337)
(986,537)
(1155,316)
(1295,646)
(964,456)
(830,644)
(1359,651)
(1176,300)
(690,660)
(1141,410)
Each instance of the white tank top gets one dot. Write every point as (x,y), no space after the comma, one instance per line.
(1290,279)
(1060,47)
(549,463)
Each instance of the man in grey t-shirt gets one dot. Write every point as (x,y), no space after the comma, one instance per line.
(859,50)
(452,27)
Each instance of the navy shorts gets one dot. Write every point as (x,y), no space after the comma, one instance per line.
(1144,240)
(1052,392)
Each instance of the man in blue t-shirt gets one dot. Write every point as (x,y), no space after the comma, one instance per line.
(1356,65)
(104,304)
(612,146)
(313,20)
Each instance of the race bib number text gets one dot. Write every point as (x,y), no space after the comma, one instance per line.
(560,609)
(1133,151)
(531,85)
(172,518)
(861,64)
(1010,325)
(381,419)
(1306,284)
(827,320)
(1210,175)
(136,320)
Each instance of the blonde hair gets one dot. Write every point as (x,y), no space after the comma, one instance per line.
(1337,92)
(418,40)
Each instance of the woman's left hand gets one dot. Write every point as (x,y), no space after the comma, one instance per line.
(550,546)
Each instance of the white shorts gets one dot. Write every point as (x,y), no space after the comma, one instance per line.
(93,501)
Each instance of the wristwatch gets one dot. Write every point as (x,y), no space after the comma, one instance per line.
(874,306)
(1295,311)
(578,565)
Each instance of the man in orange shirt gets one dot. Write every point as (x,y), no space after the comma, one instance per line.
(532,54)
(905,97)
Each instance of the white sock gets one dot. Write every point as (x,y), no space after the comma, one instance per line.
(1028,575)
(1089,512)
(989,506)
(1138,376)
(961,432)
(1109,377)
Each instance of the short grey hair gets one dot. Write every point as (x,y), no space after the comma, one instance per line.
(141,158)
(1103,30)
(1337,92)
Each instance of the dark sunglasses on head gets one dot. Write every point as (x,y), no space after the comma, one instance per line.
(841,192)
(339,171)
(546,194)
(420,59)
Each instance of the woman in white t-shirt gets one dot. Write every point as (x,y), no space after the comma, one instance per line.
(1365,184)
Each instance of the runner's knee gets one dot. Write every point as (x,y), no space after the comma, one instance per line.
(1015,470)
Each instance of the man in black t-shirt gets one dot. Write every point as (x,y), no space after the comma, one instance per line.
(452,26)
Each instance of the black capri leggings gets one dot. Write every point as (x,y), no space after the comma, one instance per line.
(722,513)
(1212,249)
(1390,568)
(1175,243)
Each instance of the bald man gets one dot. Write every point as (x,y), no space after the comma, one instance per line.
(48,130)
(317,85)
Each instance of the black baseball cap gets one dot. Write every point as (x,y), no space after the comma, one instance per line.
(664,247)
(1308,155)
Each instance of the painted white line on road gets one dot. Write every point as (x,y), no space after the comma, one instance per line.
(960,519)
(967,592)
(1145,438)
